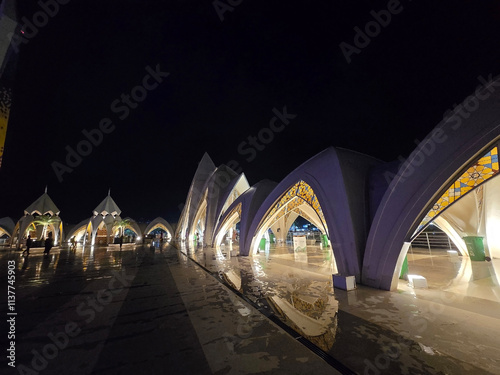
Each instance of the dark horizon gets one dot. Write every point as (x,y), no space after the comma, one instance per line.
(216,83)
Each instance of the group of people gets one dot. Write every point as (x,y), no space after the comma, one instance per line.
(49,243)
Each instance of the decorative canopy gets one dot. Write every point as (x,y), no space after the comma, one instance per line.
(7,226)
(107,207)
(42,206)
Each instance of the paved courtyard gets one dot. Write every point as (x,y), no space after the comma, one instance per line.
(138,311)
(196,310)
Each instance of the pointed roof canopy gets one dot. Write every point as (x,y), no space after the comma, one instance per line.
(7,225)
(42,206)
(107,206)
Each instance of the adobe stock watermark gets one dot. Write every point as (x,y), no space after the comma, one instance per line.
(252,145)
(455,116)
(418,325)
(372,29)
(120,107)
(244,330)
(30,28)
(88,309)
(222,7)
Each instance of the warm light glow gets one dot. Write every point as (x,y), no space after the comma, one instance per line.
(493,236)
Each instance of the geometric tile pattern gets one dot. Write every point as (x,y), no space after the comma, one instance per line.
(485,168)
(297,195)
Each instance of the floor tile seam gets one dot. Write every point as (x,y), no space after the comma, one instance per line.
(95,331)
(147,325)
(335,363)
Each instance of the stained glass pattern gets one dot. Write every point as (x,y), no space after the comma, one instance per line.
(485,168)
(298,194)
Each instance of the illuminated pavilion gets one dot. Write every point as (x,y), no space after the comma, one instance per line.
(369,211)
(101,227)
(43,206)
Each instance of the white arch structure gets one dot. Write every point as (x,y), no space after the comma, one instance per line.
(457,144)
(370,214)
(44,205)
(161,223)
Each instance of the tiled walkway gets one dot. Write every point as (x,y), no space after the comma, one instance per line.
(139,311)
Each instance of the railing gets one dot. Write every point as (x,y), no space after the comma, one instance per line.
(437,240)
(311,236)
(430,240)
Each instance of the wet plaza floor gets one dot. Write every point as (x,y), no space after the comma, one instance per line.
(448,328)
(139,311)
(200,311)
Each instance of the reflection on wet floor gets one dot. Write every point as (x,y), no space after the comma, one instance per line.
(449,328)
(40,269)
(449,271)
(306,304)
(370,331)
(159,314)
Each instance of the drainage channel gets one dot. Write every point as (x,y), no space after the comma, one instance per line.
(276,320)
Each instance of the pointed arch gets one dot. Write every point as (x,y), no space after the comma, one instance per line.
(205,168)
(78,231)
(231,219)
(7,226)
(161,223)
(439,161)
(331,189)
(298,195)
(250,202)
(473,177)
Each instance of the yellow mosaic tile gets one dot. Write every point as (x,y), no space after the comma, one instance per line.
(484,168)
(300,192)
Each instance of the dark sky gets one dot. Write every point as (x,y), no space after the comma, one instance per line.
(225,79)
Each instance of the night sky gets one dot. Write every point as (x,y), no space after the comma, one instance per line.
(225,78)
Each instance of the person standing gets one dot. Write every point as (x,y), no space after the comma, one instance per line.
(121,242)
(49,242)
(28,246)
(73,243)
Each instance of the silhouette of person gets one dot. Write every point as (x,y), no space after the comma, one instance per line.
(121,241)
(28,246)
(25,264)
(49,242)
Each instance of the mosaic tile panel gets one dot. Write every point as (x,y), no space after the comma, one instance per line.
(485,168)
(298,194)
